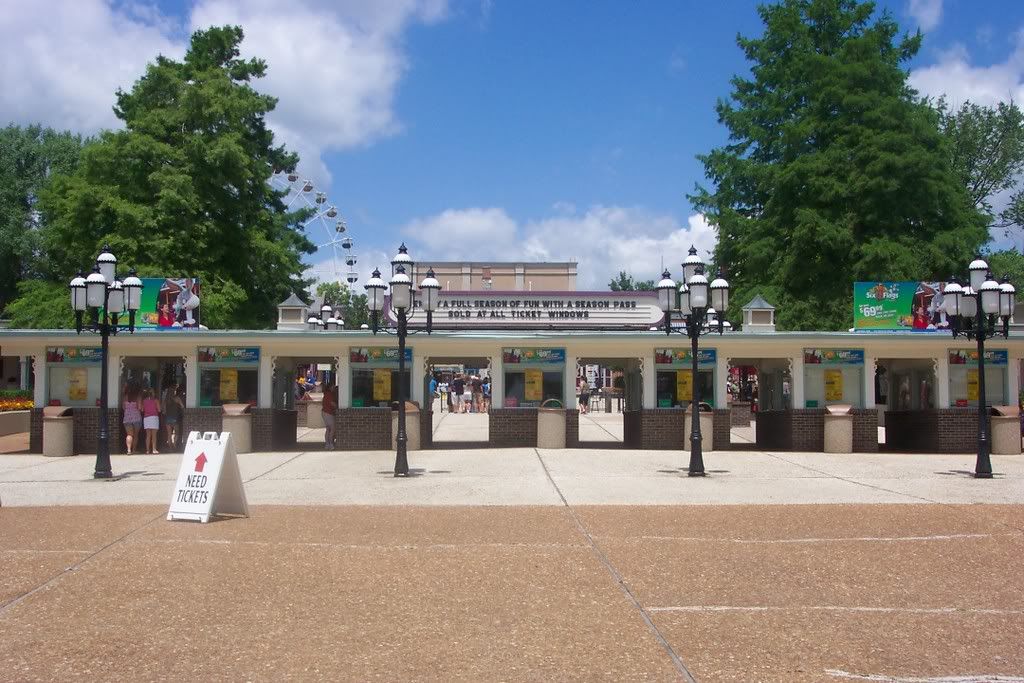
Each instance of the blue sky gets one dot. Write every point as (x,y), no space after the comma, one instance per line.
(485,129)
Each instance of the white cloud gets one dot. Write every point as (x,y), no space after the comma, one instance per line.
(927,13)
(334,65)
(60,62)
(603,240)
(955,77)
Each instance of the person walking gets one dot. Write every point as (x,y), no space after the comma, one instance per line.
(329,409)
(131,409)
(173,410)
(584,395)
(150,420)
(432,390)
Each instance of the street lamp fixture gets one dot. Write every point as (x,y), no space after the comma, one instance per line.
(980,311)
(403,302)
(107,299)
(694,300)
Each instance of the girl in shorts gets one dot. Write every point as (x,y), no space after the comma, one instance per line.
(150,420)
(131,408)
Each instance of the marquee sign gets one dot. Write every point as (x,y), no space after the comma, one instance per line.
(544,310)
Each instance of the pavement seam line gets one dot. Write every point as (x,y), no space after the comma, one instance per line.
(7,606)
(834,608)
(263,474)
(619,581)
(605,429)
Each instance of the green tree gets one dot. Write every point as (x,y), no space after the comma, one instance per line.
(1008,263)
(355,306)
(182,189)
(624,282)
(987,153)
(835,170)
(29,157)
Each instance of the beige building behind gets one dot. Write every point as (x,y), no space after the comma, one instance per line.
(507,276)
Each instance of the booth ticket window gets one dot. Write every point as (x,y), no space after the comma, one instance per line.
(73,376)
(534,377)
(376,387)
(674,376)
(374,375)
(833,376)
(228,375)
(964,387)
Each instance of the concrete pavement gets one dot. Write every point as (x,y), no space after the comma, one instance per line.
(530,476)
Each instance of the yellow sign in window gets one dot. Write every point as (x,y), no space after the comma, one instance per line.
(972,385)
(228,385)
(381,385)
(534,385)
(684,385)
(833,385)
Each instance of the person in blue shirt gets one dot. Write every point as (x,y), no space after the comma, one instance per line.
(432,389)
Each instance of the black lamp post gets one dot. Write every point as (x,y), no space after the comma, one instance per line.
(692,302)
(975,312)
(107,298)
(403,303)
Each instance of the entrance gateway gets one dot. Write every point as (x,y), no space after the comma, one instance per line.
(535,347)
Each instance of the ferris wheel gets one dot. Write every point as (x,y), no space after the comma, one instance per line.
(325,226)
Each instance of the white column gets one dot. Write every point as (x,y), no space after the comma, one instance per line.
(265,395)
(114,380)
(650,379)
(192,378)
(497,381)
(869,381)
(569,380)
(26,368)
(416,376)
(941,381)
(39,395)
(797,372)
(721,379)
(344,379)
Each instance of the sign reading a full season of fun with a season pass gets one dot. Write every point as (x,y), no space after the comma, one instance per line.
(209,482)
(561,310)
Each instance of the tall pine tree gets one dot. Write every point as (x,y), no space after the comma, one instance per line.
(835,170)
(182,190)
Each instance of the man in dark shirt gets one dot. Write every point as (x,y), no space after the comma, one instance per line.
(458,387)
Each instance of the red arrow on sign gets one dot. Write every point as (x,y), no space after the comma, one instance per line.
(200,462)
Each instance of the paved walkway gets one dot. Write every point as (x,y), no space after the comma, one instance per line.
(519,565)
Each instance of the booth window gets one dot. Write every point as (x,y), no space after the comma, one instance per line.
(667,389)
(515,389)
(247,390)
(362,388)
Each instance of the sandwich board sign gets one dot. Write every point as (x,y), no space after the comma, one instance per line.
(209,482)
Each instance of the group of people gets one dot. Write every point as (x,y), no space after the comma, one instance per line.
(463,394)
(143,410)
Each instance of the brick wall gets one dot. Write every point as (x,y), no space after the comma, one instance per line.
(946,430)
(808,429)
(426,428)
(773,430)
(513,427)
(363,429)
(865,430)
(35,431)
(87,431)
(572,428)
(662,428)
(206,419)
(722,420)
(262,429)
(739,413)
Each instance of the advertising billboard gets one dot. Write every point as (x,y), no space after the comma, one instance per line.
(169,303)
(898,306)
